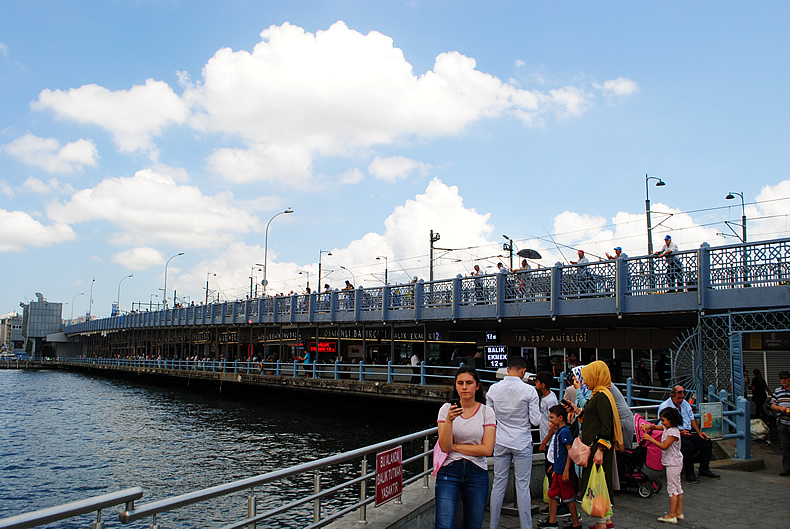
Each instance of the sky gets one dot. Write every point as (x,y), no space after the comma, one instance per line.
(133,131)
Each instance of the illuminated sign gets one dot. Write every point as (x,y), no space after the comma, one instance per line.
(496,356)
(491,336)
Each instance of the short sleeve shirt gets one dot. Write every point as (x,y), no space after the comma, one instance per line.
(671,457)
(545,403)
(685,411)
(561,440)
(469,431)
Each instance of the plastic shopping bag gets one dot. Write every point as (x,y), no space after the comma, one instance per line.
(596,498)
(545,489)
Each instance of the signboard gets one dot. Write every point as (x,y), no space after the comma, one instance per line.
(496,356)
(711,419)
(491,337)
(389,475)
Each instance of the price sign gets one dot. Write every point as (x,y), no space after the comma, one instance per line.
(496,356)
(389,475)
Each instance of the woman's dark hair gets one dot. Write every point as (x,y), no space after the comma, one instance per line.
(479,397)
(672,415)
(560,411)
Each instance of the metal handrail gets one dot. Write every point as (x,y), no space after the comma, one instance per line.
(175,502)
(76,508)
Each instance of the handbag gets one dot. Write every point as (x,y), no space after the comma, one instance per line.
(579,453)
(439,456)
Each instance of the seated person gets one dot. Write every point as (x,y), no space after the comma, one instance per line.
(693,441)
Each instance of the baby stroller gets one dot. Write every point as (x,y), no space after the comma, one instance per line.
(631,462)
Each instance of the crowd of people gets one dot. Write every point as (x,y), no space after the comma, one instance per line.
(592,410)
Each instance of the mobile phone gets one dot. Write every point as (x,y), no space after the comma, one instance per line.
(565,403)
(456,403)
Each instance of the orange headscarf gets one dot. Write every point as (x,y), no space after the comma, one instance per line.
(597,377)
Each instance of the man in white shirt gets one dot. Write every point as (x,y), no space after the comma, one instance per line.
(516,407)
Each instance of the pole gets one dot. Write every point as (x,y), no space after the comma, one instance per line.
(434,238)
(164,291)
(90,304)
(72,305)
(266,247)
(118,301)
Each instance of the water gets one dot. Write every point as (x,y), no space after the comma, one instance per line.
(68,436)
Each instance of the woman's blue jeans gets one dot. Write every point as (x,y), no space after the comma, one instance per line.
(461,480)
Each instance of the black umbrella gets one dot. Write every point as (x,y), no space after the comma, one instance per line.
(527,253)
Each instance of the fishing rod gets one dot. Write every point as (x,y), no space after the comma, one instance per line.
(560,244)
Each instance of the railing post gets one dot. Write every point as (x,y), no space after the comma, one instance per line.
(629,391)
(278,369)
(337,369)
(419,296)
(296,369)
(251,509)
(361,370)
(743,443)
(389,371)
(501,281)
(422,373)
(425,467)
(317,501)
(315,365)
(456,296)
(723,399)
(363,510)
(556,288)
(711,394)
(703,275)
(98,524)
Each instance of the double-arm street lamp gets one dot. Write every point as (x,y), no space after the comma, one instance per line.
(659,183)
(731,196)
(165,289)
(118,301)
(266,247)
(252,280)
(508,247)
(386,266)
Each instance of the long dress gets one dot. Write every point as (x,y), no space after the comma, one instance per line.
(598,424)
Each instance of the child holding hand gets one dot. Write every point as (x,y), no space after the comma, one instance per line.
(671,458)
(562,488)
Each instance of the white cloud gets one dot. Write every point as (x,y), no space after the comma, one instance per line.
(394,168)
(3,49)
(618,87)
(6,189)
(132,116)
(770,218)
(352,176)
(151,206)
(19,230)
(299,95)
(49,155)
(139,258)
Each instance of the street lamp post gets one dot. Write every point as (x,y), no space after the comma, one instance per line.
(731,196)
(118,301)
(308,279)
(151,302)
(252,278)
(164,300)
(434,238)
(72,305)
(256,283)
(354,279)
(320,255)
(386,266)
(207,275)
(508,247)
(659,183)
(90,303)
(266,247)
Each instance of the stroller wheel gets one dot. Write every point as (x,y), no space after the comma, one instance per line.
(656,484)
(645,490)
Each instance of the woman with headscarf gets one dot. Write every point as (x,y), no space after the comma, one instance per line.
(601,427)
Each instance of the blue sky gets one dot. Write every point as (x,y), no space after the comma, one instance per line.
(131,131)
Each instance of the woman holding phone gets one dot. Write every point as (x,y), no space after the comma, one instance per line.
(467,431)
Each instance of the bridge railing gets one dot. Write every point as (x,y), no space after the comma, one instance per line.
(760,264)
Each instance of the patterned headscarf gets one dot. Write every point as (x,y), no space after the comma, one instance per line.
(577,374)
(600,380)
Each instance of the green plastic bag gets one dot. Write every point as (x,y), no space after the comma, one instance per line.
(596,501)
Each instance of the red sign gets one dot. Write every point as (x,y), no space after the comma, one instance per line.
(389,475)
(324,347)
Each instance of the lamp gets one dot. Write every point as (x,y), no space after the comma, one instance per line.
(320,255)
(164,301)
(386,265)
(659,183)
(266,246)
(118,301)
(731,196)
(354,279)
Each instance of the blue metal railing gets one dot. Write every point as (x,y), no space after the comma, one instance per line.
(761,264)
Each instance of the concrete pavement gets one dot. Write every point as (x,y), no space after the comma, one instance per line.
(739,500)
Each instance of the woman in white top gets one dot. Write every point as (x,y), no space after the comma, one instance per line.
(467,432)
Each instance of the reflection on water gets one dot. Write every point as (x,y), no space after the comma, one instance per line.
(68,436)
